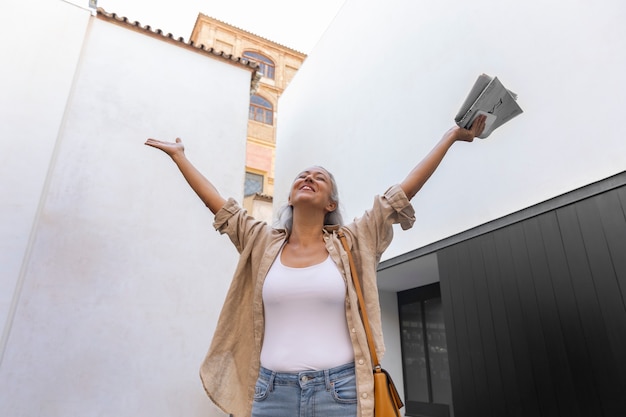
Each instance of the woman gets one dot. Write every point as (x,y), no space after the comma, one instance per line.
(290,340)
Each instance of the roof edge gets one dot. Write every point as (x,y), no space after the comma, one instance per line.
(253,67)
(250,33)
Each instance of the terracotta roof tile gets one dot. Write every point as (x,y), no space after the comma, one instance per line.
(180,41)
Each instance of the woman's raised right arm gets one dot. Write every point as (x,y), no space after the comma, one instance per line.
(198,182)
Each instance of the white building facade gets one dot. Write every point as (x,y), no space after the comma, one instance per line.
(375,95)
(111,274)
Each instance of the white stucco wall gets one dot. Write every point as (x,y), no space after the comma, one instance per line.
(35,80)
(386,81)
(115,277)
(391,361)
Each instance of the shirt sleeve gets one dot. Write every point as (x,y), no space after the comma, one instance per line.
(374,230)
(400,203)
(235,222)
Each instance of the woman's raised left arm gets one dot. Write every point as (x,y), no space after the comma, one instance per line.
(423,171)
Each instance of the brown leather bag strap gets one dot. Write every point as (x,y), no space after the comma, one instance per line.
(359,293)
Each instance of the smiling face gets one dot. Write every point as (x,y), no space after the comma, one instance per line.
(314,186)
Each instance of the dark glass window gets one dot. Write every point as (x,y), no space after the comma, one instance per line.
(266,65)
(253,184)
(427,385)
(261,110)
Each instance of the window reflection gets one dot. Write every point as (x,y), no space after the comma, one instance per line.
(413,352)
(261,110)
(437,352)
(424,347)
(266,65)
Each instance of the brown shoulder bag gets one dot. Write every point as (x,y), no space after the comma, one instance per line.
(387,402)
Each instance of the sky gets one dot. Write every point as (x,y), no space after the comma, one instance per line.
(297,24)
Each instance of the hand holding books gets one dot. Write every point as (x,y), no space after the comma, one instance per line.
(457,133)
(488,98)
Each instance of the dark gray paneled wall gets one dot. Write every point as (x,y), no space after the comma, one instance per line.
(535,314)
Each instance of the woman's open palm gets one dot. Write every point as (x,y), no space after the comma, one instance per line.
(170,148)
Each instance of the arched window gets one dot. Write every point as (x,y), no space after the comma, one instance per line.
(266,65)
(261,110)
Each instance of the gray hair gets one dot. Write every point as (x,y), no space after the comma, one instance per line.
(284,218)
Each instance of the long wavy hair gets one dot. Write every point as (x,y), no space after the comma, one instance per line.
(284,219)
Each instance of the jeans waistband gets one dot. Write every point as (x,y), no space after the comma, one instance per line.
(306,378)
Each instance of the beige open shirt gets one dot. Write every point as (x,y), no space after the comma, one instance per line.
(230,369)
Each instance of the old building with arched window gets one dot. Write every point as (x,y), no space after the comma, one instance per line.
(277,66)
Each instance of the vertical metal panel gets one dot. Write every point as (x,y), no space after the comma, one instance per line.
(536,314)
(490,360)
(474,355)
(606,283)
(461,373)
(603,272)
(557,364)
(452,330)
(612,213)
(513,312)
(584,398)
(621,195)
(510,396)
(589,309)
(531,323)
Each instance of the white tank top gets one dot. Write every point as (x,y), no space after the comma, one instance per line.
(305,318)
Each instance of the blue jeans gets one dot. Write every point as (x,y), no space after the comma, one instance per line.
(328,393)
